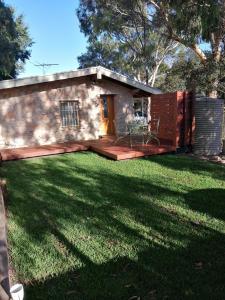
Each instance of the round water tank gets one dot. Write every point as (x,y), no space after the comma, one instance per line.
(208,126)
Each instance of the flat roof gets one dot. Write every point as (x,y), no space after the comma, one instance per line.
(98,71)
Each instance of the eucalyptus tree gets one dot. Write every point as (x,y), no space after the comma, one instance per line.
(138,47)
(199,25)
(15,42)
(109,54)
(179,75)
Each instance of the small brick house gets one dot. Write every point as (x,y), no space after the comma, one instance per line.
(75,105)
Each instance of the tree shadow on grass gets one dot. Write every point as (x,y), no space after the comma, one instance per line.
(195,272)
(187,163)
(145,250)
(96,194)
(208,201)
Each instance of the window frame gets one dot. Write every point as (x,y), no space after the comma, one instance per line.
(141,101)
(105,107)
(75,112)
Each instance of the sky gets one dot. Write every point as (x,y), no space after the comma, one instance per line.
(54,28)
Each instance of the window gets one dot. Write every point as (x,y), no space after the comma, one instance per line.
(140,107)
(105,106)
(69,111)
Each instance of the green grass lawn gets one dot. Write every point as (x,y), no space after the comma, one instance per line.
(84,227)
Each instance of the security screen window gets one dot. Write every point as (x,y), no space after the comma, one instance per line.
(69,112)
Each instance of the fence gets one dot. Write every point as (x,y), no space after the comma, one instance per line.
(176,117)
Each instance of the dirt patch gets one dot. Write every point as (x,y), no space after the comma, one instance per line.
(219,159)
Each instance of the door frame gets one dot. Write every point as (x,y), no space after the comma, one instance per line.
(107,122)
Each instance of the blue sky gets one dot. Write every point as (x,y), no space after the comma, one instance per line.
(54,28)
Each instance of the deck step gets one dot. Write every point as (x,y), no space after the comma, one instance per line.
(122,152)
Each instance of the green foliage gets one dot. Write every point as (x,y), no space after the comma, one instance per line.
(15,42)
(193,23)
(109,54)
(84,227)
(136,23)
(127,44)
(187,73)
(179,76)
(116,56)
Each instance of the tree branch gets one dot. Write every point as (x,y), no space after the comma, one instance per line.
(216,47)
(175,37)
(198,52)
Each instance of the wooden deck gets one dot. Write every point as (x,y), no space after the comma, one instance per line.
(122,150)
(28,152)
(105,146)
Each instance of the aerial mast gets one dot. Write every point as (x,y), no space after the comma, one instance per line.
(44,66)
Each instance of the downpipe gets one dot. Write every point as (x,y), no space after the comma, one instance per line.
(17,292)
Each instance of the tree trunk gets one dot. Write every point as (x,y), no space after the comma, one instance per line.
(214,92)
(154,74)
(146,76)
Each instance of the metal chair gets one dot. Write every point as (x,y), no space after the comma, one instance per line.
(133,129)
(153,134)
(122,135)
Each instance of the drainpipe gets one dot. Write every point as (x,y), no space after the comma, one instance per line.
(17,292)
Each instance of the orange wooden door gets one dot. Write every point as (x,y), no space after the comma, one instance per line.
(107,115)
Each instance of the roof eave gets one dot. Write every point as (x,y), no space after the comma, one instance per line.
(98,71)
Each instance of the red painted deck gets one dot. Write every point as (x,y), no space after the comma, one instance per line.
(123,150)
(106,147)
(27,152)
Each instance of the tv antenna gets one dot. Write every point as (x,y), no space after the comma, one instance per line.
(44,66)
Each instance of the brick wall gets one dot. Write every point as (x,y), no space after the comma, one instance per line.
(176,118)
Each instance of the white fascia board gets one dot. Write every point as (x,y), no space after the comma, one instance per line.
(98,71)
